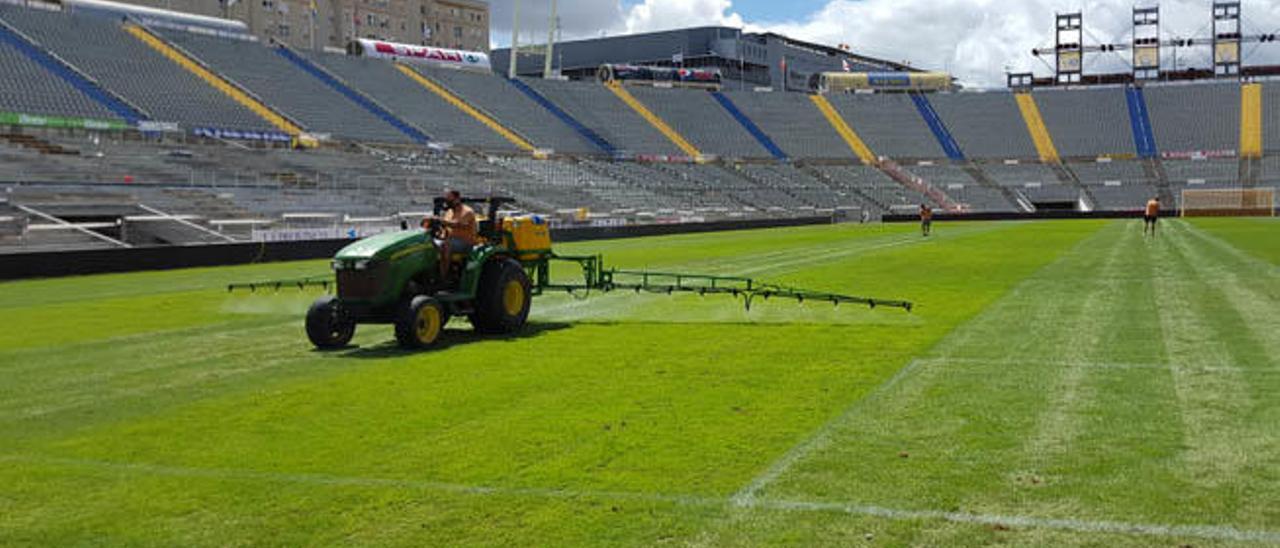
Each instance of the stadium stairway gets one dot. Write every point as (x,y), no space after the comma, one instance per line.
(843,129)
(1144,139)
(582,130)
(749,125)
(939,129)
(227,87)
(467,108)
(70,74)
(658,123)
(917,184)
(1035,127)
(367,103)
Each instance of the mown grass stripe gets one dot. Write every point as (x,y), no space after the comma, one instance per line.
(1082,329)
(823,436)
(1213,408)
(1199,531)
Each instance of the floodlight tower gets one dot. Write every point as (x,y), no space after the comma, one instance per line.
(552,24)
(515,42)
(1069,48)
(1226,38)
(1146,43)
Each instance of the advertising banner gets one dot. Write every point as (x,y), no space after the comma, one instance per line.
(15,119)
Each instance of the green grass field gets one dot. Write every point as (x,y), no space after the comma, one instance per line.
(1063,383)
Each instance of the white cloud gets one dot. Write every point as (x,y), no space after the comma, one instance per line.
(977,40)
(591,18)
(653,15)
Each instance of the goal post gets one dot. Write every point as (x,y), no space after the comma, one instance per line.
(1233,202)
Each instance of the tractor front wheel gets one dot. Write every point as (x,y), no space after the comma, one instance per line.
(420,323)
(328,326)
(502,298)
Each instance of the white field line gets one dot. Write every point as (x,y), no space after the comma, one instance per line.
(821,437)
(136,343)
(1206,532)
(196,378)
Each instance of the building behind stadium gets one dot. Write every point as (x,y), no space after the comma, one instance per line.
(317,24)
(746,60)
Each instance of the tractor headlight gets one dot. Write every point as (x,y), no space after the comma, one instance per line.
(362,265)
(336,265)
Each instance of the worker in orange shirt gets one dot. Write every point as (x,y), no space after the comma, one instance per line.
(1151,216)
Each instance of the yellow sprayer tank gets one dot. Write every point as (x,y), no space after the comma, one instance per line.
(530,236)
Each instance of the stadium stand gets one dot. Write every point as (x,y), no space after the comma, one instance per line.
(779,154)
(416,105)
(1144,139)
(1116,185)
(29,88)
(697,116)
(889,124)
(100,48)
(939,127)
(506,103)
(959,185)
(1020,174)
(597,108)
(283,86)
(985,125)
(1213,124)
(364,101)
(1087,122)
(749,125)
(793,122)
(882,191)
(1199,172)
(1271,116)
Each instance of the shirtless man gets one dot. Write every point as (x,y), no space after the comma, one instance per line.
(1151,217)
(459,226)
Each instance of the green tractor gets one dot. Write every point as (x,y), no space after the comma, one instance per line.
(394,278)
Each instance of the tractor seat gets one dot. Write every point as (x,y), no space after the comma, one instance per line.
(457,254)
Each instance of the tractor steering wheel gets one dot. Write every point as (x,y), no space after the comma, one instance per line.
(434,227)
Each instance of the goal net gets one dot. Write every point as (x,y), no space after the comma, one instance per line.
(1238,202)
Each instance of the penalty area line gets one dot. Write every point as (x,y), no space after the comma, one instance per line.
(1208,532)
(818,440)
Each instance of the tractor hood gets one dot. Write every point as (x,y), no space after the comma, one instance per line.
(385,246)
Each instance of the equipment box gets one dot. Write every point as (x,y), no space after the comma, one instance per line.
(530,236)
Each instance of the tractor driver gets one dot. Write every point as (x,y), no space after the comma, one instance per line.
(459,229)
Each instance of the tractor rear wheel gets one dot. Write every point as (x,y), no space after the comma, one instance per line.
(420,323)
(328,326)
(502,298)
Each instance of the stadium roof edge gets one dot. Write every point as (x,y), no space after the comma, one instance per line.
(822,48)
(818,48)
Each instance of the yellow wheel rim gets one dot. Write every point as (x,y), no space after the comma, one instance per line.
(513,298)
(428,324)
